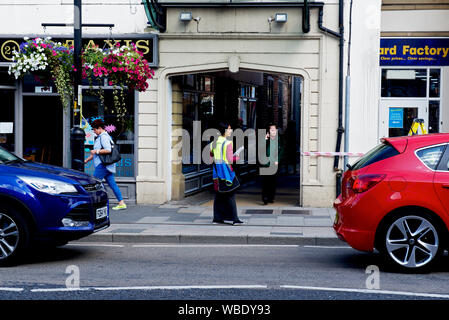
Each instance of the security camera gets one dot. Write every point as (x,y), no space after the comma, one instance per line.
(197,19)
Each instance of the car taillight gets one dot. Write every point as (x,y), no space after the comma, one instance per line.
(362,183)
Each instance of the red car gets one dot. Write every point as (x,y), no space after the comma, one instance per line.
(396,199)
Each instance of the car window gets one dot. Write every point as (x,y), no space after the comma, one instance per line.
(381,152)
(431,156)
(6,156)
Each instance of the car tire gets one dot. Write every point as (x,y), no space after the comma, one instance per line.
(411,241)
(14,235)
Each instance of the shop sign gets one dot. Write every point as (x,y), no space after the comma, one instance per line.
(414,52)
(147,44)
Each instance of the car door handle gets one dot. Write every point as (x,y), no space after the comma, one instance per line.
(445,186)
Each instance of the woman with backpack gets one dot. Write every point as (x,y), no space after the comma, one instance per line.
(103,145)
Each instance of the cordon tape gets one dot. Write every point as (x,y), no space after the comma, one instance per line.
(332,154)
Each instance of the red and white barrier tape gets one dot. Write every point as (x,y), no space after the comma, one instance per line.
(332,154)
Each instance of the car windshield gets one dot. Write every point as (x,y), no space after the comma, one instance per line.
(7,157)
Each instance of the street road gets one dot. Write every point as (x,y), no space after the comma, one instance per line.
(89,271)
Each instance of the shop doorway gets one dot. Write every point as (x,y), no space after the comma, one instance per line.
(248,100)
(407,94)
(42,127)
(398,115)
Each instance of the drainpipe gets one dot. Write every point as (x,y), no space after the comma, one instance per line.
(340,130)
(306,17)
(348,86)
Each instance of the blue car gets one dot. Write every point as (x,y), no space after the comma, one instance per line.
(43,203)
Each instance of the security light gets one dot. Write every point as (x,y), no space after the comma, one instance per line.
(280,17)
(185,16)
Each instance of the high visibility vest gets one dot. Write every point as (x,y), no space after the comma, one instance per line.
(219,151)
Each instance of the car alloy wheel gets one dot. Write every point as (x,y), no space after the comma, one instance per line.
(412,242)
(9,236)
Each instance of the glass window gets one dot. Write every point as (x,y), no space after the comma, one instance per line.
(400,121)
(434,85)
(381,152)
(5,78)
(38,84)
(434,116)
(7,126)
(431,156)
(121,129)
(280,94)
(270,92)
(404,83)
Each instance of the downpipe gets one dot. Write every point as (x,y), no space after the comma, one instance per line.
(341,129)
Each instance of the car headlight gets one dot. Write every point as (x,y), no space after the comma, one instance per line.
(49,186)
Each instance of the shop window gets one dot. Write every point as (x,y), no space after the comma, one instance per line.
(434,85)
(197,105)
(280,94)
(247,107)
(270,92)
(5,78)
(404,117)
(7,127)
(120,128)
(35,84)
(404,83)
(280,105)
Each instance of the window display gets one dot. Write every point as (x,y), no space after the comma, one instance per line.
(119,126)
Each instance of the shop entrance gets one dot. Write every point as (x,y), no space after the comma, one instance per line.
(247,100)
(409,93)
(43,129)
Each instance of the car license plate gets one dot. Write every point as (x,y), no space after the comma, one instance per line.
(102,213)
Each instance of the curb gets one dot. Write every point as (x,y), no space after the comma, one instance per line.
(211,239)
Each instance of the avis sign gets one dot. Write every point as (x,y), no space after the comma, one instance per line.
(147,44)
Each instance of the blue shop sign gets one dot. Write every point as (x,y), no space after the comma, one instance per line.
(396,118)
(414,52)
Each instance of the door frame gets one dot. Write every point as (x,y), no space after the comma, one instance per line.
(65,125)
(383,114)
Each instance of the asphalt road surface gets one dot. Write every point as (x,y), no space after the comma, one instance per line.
(92,271)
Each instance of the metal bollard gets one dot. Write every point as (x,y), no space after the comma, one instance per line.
(77,137)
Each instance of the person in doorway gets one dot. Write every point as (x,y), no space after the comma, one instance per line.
(225,207)
(269,182)
(103,145)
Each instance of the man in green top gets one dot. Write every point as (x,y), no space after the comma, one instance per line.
(275,152)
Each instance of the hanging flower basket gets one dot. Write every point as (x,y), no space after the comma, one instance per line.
(47,61)
(123,66)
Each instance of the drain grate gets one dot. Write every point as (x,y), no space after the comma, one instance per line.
(258,211)
(303,212)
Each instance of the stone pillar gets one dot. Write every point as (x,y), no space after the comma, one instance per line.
(178,180)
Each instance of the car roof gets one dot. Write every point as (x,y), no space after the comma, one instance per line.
(400,143)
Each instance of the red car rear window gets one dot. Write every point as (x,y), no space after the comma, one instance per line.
(381,152)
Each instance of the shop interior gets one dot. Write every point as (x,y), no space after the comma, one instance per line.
(246,100)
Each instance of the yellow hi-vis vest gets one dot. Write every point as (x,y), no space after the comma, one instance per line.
(219,151)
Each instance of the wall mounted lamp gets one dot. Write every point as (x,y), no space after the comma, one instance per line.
(280,17)
(185,16)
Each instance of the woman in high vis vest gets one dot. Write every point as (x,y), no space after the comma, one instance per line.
(225,207)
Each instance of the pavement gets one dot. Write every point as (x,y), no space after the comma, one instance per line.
(190,221)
